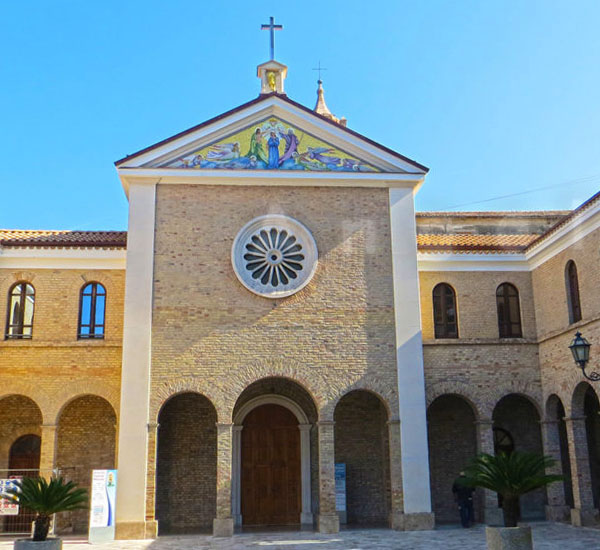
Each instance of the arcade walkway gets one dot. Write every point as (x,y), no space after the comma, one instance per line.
(547,536)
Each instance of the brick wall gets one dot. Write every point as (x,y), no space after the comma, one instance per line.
(212,335)
(336,333)
(186,465)
(476,301)
(53,367)
(362,443)
(86,440)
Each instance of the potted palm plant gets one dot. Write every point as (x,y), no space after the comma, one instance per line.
(45,498)
(510,475)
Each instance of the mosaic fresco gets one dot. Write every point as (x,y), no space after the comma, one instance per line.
(271,145)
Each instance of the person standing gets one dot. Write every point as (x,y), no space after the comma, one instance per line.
(463,496)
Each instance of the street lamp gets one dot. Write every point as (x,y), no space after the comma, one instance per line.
(580,348)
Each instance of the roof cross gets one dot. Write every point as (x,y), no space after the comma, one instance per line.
(272,27)
(319,68)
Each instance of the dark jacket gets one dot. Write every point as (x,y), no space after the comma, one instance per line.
(462,493)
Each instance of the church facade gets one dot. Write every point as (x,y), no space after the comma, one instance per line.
(278,316)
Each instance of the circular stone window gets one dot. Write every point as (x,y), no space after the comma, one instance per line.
(274,256)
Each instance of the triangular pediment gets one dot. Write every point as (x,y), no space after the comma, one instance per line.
(270,134)
(271,144)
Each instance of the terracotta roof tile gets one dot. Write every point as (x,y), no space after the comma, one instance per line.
(428,242)
(495,214)
(79,239)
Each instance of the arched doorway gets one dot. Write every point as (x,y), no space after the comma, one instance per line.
(452,444)
(362,444)
(24,456)
(274,454)
(19,415)
(86,440)
(186,468)
(271,473)
(24,460)
(519,422)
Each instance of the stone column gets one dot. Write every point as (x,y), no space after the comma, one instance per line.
(306,518)
(492,513)
(583,512)
(151,523)
(396,515)
(236,482)
(409,362)
(556,509)
(48,450)
(223,523)
(328,520)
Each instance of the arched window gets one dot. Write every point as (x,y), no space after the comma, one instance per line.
(92,306)
(21,299)
(444,311)
(572,292)
(509,313)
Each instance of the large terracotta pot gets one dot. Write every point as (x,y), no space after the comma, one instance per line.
(509,538)
(29,544)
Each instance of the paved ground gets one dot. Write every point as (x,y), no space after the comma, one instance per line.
(546,536)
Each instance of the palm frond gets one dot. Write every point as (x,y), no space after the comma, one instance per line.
(47,497)
(510,475)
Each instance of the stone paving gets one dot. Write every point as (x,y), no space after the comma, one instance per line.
(546,536)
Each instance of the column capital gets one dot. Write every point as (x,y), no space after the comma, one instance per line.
(393,422)
(574,418)
(543,422)
(224,425)
(484,422)
(49,426)
(304,427)
(325,423)
(153,426)
(237,427)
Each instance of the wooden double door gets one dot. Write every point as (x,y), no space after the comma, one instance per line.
(271,478)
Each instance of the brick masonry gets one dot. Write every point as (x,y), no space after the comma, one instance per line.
(213,337)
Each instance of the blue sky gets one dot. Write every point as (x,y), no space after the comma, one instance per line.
(496,97)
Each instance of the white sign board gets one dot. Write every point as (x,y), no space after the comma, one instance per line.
(340,487)
(8,508)
(102,505)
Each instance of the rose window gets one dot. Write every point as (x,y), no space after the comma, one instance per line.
(274,256)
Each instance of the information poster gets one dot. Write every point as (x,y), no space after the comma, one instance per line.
(8,508)
(102,505)
(340,491)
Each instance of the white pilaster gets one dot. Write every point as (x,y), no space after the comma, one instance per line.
(306,517)
(409,357)
(135,374)
(236,482)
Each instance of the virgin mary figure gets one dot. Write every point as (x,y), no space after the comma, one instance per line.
(273,144)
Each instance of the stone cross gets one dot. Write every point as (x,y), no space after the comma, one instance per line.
(272,27)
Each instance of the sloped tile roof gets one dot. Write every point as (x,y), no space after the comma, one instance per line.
(428,242)
(78,239)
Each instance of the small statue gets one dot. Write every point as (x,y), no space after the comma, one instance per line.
(271,80)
